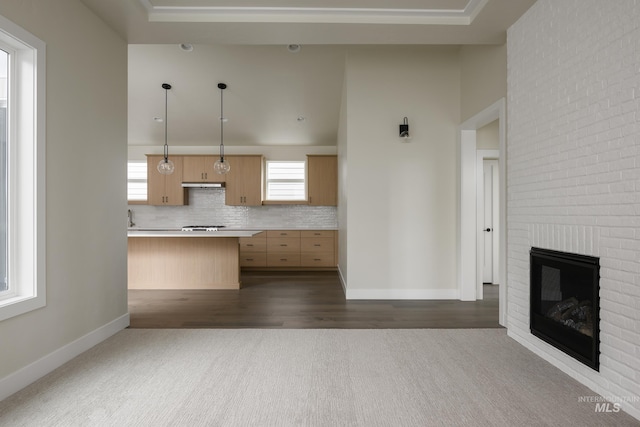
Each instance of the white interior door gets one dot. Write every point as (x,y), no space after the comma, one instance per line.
(490,222)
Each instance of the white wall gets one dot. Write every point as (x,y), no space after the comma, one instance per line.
(86,165)
(488,136)
(401,238)
(483,78)
(574,171)
(343,183)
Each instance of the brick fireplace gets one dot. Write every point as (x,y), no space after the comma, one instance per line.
(573,172)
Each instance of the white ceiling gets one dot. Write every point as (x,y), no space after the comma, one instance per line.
(243,43)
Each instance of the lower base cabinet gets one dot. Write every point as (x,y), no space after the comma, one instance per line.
(289,249)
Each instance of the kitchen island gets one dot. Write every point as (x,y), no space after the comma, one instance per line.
(174,259)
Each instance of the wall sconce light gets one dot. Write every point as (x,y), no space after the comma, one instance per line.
(404,131)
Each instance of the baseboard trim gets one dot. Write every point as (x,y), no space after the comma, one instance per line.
(41,367)
(403,294)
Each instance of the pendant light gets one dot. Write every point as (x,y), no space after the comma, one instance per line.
(166,166)
(222,166)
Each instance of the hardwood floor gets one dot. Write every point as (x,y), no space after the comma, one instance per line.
(301,300)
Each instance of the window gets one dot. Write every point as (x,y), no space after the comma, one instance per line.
(285,180)
(22,171)
(137,181)
(4,91)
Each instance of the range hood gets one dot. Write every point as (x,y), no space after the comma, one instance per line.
(203,184)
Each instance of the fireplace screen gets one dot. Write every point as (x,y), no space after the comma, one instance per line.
(565,303)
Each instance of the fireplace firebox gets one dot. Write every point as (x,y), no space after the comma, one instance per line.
(565,303)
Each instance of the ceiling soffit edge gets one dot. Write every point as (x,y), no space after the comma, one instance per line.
(321,15)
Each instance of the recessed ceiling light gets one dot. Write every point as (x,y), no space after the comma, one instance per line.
(187,47)
(158,119)
(293,48)
(301,119)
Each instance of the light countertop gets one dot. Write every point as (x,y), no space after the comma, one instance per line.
(149,232)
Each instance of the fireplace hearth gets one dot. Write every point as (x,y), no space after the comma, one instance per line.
(565,303)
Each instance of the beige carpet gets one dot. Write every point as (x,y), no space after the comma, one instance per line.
(269,377)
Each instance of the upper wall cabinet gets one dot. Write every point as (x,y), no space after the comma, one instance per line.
(322,180)
(165,190)
(200,169)
(244,181)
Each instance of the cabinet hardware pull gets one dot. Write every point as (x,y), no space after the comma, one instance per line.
(283,259)
(249,244)
(316,234)
(249,259)
(317,245)
(317,259)
(284,245)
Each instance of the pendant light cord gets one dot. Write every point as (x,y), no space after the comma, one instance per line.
(221,124)
(166,119)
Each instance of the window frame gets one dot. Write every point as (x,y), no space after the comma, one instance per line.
(267,181)
(144,181)
(26,190)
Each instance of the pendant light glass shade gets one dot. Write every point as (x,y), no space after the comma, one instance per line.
(221,165)
(166,166)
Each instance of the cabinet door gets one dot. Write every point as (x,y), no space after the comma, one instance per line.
(164,190)
(200,169)
(233,193)
(252,177)
(155,182)
(244,181)
(322,180)
(174,192)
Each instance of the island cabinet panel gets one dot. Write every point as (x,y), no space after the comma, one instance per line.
(183,263)
(322,180)
(200,169)
(244,181)
(165,190)
(253,250)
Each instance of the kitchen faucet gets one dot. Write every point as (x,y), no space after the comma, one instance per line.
(130,217)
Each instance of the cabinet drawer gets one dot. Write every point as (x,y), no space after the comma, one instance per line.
(283,259)
(321,259)
(317,233)
(283,233)
(255,259)
(249,244)
(316,244)
(283,244)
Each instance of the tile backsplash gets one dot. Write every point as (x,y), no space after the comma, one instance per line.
(206,207)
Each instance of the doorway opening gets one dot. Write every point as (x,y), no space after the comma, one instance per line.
(470,221)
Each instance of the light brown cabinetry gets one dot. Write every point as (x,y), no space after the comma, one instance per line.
(165,190)
(283,248)
(317,248)
(200,169)
(322,180)
(253,250)
(244,181)
(289,249)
